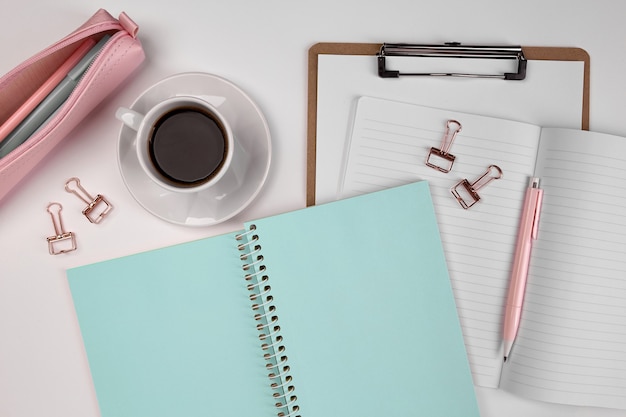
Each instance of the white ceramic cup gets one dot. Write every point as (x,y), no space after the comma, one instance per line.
(145,126)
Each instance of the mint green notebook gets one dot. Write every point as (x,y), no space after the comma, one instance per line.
(339,309)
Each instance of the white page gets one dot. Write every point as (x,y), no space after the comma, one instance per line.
(389,146)
(551,95)
(571,346)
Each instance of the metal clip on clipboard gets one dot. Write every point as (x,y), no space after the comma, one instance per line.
(453,50)
(440,158)
(466,193)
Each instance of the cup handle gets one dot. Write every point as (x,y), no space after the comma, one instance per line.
(129,117)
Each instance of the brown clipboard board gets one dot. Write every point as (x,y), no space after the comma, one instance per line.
(531,53)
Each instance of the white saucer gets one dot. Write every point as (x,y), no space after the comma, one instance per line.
(211,206)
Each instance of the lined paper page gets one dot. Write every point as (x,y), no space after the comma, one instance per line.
(571,347)
(389,146)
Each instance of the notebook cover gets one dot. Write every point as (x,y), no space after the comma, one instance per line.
(364,303)
(366,309)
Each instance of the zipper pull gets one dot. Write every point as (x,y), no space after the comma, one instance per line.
(128,24)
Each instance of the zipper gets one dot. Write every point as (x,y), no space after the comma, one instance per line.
(118,29)
(73,38)
(80,86)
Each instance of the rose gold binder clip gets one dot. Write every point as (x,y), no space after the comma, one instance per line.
(97,208)
(441,159)
(61,241)
(467,194)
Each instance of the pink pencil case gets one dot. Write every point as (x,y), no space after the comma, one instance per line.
(119,57)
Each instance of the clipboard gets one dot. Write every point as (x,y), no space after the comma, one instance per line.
(530,54)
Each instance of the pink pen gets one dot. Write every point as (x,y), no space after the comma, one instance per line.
(527,232)
(45,89)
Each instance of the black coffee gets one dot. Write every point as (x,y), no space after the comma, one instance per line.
(188,146)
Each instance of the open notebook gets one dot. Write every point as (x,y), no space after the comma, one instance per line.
(572,342)
(352,303)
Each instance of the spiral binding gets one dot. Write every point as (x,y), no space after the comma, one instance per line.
(258,284)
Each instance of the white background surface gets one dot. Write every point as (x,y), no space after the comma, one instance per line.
(262,47)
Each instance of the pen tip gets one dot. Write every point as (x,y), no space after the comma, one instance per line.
(505,359)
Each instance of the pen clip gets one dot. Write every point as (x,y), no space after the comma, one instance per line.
(537,214)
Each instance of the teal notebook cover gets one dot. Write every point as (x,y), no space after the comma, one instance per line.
(352,303)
